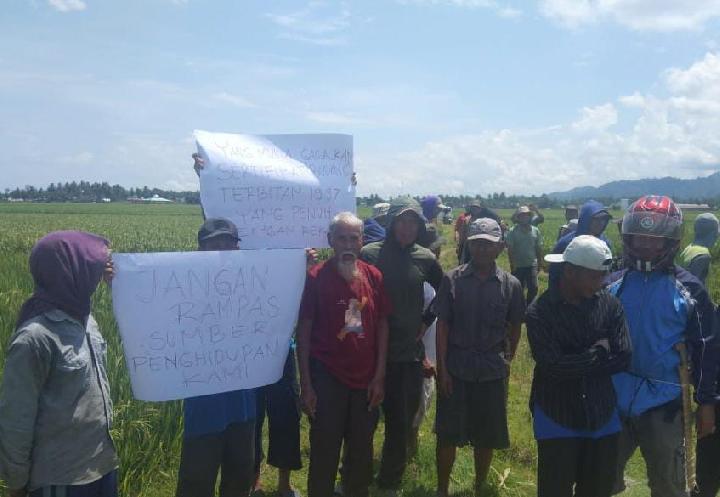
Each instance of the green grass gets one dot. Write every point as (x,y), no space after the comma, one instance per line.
(148,435)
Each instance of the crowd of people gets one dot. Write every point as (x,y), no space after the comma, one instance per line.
(378,321)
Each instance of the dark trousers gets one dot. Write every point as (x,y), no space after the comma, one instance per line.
(104,487)
(403,391)
(529,280)
(588,465)
(232,451)
(281,403)
(341,415)
(708,461)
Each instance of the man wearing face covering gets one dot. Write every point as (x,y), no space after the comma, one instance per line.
(55,406)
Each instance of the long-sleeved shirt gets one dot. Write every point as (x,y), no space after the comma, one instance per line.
(55,406)
(664,308)
(572,383)
(404,271)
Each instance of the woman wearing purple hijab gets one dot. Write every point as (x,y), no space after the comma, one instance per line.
(55,407)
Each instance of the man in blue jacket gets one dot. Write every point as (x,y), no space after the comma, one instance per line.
(593,220)
(664,306)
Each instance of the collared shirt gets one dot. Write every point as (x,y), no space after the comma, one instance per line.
(55,406)
(344,320)
(478,313)
(572,383)
(524,245)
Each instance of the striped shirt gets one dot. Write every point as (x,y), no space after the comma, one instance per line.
(572,383)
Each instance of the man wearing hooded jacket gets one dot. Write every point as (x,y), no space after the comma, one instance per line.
(593,220)
(405,266)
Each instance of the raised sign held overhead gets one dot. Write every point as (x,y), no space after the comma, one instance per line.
(280,190)
(200,323)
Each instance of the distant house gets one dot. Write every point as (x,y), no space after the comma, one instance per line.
(155,199)
(695,207)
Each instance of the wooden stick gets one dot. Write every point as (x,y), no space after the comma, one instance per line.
(684,371)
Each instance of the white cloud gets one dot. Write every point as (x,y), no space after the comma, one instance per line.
(701,79)
(650,15)
(336,118)
(645,136)
(457,3)
(501,10)
(80,158)
(318,23)
(235,100)
(632,101)
(67,5)
(509,12)
(596,118)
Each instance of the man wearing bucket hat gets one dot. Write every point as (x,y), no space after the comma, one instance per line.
(524,243)
(579,339)
(480,308)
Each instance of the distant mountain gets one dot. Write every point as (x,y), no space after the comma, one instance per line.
(707,187)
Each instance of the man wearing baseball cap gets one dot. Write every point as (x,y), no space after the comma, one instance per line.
(278,401)
(476,210)
(480,308)
(579,338)
(219,429)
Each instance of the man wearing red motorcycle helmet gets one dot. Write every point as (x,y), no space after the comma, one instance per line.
(664,305)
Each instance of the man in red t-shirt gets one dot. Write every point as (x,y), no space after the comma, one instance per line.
(342,348)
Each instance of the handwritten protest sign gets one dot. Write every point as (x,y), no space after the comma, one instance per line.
(198,323)
(280,190)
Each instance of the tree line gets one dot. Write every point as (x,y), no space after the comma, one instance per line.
(84,192)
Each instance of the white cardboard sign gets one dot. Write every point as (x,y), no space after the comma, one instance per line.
(200,323)
(280,190)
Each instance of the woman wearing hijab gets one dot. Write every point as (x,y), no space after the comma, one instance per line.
(55,407)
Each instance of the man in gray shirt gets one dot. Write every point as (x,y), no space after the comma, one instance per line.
(480,308)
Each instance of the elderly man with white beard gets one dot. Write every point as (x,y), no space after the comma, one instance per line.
(342,351)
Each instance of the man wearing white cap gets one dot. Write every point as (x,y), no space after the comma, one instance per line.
(579,338)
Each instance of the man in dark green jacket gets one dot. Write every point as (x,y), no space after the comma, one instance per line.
(405,266)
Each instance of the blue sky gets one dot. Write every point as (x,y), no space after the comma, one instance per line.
(456,96)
